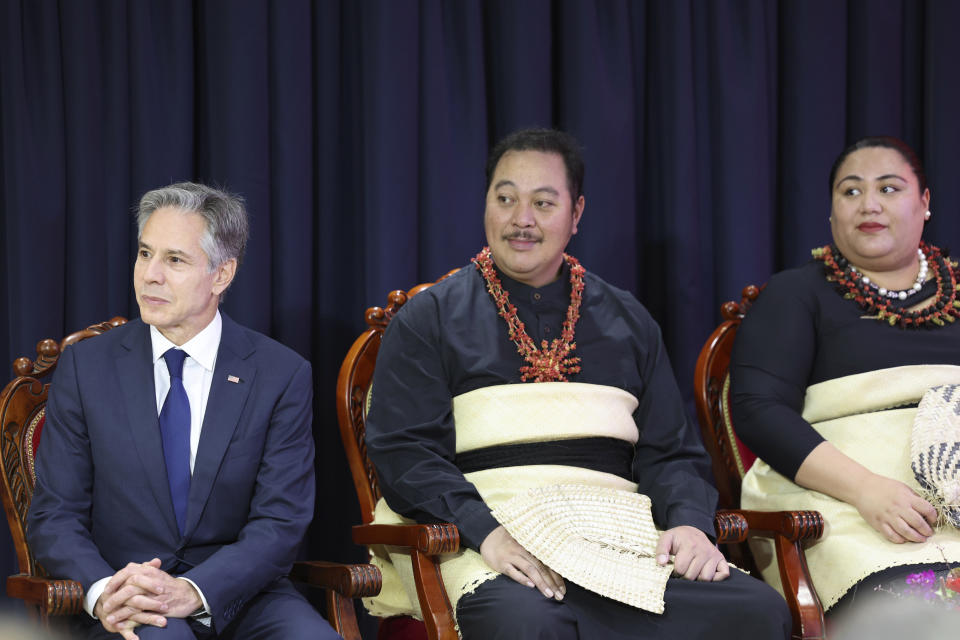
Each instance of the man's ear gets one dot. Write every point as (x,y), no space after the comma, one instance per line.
(224,275)
(577,212)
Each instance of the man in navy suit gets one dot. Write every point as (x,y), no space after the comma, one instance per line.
(175,476)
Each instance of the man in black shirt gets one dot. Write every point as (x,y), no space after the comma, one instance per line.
(524,371)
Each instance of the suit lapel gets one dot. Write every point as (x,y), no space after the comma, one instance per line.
(233,378)
(135,371)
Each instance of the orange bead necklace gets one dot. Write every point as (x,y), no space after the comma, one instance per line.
(551,362)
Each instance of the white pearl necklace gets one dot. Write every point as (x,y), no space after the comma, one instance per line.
(901,295)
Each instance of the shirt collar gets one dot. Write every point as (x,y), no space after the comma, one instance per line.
(552,294)
(201,347)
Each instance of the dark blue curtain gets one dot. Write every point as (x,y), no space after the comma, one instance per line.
(358,130)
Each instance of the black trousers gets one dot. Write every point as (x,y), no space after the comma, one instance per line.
(736,608)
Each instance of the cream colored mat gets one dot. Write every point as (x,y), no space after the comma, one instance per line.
(601,539)
(853,414)
(534,412)
(509,414)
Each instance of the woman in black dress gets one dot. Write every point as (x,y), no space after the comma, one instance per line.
(826,374)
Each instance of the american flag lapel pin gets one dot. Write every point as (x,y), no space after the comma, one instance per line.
(233,379)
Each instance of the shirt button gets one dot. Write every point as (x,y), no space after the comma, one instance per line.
(536,296)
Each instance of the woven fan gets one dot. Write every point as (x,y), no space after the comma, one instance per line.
(935,450)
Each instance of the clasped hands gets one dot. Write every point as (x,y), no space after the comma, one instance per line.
(694,558)
(142,593)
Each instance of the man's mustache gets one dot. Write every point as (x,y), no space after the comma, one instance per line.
(525,236)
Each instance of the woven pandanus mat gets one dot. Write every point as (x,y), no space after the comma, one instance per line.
(601,539)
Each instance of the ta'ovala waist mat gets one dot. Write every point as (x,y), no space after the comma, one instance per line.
(869,417)
(575,497)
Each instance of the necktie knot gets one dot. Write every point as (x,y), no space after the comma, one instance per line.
(174,359)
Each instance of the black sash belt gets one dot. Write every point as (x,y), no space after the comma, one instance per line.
(608,455)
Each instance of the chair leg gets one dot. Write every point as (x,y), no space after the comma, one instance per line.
(434,603)
(341,615)
(808,623)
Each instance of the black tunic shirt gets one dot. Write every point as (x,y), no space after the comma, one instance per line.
(799,332)
(449,340)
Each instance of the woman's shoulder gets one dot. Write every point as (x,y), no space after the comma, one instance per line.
(803,283)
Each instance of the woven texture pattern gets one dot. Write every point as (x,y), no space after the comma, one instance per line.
(602,539)
(935,450)
(854,414)
(511,413)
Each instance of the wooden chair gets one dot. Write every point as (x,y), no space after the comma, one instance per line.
(424,542)
(790,530)
(22,415)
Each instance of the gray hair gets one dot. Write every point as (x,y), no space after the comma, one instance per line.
(225,214)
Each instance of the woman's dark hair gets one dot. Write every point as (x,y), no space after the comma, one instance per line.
(547,141)
(887,142)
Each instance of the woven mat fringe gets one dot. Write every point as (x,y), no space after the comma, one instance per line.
(601,539)
(943,509)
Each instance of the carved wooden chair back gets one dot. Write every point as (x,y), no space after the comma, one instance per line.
(731,459)
(424,542)
(22,416)
(353,395)
(711,387)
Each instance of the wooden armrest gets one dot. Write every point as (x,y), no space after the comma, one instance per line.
(730,526)
(789,530)
(795,526)
(52,597)
(349,580)
(424,542)
(343,583)
(429,539)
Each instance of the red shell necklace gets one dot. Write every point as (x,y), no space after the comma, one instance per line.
(549,363)
(853,286)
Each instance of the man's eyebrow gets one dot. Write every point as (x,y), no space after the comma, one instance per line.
(510,183)
(549,190)
(169,252)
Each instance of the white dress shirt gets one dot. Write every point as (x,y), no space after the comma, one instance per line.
(198,369)
(197,373)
